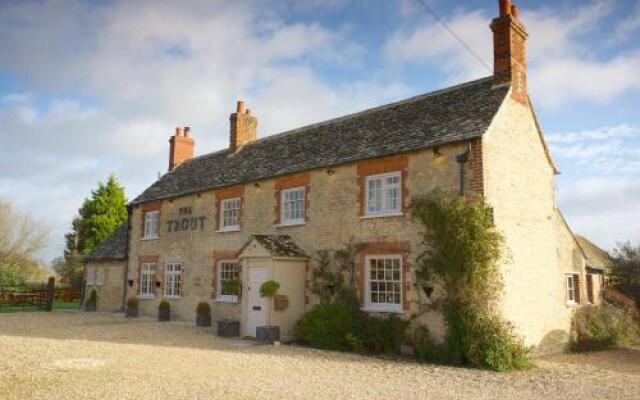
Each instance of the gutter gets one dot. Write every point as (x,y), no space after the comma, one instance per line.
(462,159)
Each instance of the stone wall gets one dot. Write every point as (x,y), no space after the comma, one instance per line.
(333,218)
(110,288)
(519,184)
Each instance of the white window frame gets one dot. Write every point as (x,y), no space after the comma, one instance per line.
(385,209)
(172,280)
(283,208)
(151,224)
(148,269)
(382,307)
(570,289)
(223,204)
(220,297)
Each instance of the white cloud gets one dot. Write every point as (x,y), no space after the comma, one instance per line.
(604,210)
(432,44)
(603,133)
(562,66)
(109,82)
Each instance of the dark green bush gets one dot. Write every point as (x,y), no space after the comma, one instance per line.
(601,327)
(132,302)
(93,297)
(329,326)
(343,327)
(380,335)
(164,305)
(203,309)
(481,340)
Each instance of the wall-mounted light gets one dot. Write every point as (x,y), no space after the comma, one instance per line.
(130,282)
(331,172)
(158,283)
(257,185)
(436,152)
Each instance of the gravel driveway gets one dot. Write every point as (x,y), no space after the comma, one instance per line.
(70,355)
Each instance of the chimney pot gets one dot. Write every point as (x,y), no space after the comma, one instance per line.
(505,7)
(181,147)
(243,127)
(515,11)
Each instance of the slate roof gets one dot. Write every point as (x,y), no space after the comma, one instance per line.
(596,257)
(112,248)
(449,115)
(278,245)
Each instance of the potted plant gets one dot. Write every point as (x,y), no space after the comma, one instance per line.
(164,311)
(91,304)
(232,286)
(203,314)
(268,334)
(132,307)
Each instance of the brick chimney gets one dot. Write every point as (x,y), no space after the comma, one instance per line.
(180,147)
(510,50)
(243,127)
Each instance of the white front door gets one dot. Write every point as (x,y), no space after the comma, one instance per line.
(256,305)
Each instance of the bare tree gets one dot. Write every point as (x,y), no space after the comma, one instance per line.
(20,240)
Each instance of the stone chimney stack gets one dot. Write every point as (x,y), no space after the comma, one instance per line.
(181,147)
(244,127)
(510,50)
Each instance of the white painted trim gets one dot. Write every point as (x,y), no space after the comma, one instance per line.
(371,216)
(233,228)
(381,307)
(293,222)
(369,178)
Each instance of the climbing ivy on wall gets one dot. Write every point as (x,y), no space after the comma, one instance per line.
(462,249)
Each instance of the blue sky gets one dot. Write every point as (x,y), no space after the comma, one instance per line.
(93,88)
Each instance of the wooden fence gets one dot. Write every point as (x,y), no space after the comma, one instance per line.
(42,297)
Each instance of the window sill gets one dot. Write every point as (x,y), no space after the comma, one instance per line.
(572,304)
(146,297)
(150,238)
(389,310)
(226,301)
(227,230)
(286,224)
(370,216)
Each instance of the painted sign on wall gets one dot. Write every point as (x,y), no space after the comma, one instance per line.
(185,221)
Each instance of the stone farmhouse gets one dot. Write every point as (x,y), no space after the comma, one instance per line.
(263,207)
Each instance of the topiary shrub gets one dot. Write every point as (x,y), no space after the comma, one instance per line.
(269,288)
(203,309)
(602,327)
(329,326)
(92,302)
(93,297)
(132,302)
(164,311)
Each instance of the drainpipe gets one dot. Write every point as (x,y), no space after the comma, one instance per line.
(462,159)
(126,258)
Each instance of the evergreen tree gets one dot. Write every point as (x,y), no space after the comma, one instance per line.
(100,215)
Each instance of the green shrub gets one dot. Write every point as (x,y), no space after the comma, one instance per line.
(424,347)
(601,327)
(93,297)
(164,305)
(329,326)
(482,340)
(380,335)
(203,309)
(132,302)
(231,286)
(269,288)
